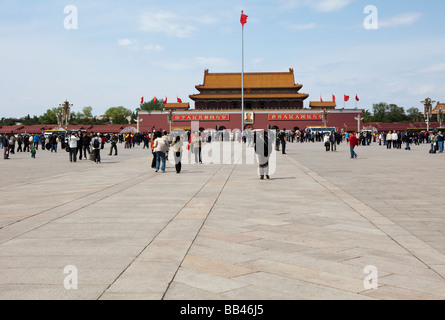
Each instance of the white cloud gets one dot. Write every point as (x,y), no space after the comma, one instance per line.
(212,62)
(330,5)
(318,5)
(124,42)
(155,48)
(301,27)
(403,19)
(168,23)
(440,67)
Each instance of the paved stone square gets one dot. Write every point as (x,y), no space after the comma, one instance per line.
(324,227)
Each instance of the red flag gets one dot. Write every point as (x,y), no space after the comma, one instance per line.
(356,98)
(333,98)
(179,100)
(165,101)
(243,19)
(142,100)
(321,99)
(154,100)
(346,98)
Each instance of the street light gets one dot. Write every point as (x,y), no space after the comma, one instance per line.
(325,118)
(428,110)
(65,114)
(170,119)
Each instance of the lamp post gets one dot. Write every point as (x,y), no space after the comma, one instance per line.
(440,116)
(138,121)
(65,114)
(359,118)
(325,118)
(428,109)
(170,119)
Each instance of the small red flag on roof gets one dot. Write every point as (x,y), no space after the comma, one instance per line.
(165,101)
(142,100)
(179,100)
(356,98)
(346,98)
(243,19)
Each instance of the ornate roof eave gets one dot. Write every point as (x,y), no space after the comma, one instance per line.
(203,87)
(299,96)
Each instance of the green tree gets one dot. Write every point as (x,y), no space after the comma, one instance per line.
(151,105)
(414,114)
(87,112)
(118,115)
(380,112)
(367,116)
(50,116)
(396,113)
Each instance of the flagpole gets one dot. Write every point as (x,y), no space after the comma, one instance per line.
(242,77)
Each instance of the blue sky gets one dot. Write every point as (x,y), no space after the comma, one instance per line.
(123,50)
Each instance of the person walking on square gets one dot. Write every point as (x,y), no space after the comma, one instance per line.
(33,152)
(177,152)
(197,144)
(333,141)
(440,139)
(79,144)
(6,146)
(161,147)
(19,143)
(283,142)
(96,143)
(53,142)
(326,142)
(353,142)
(73,141)
(432,139)
(388,140)
(86,141)
(263,149)
(113,145)
(12,141)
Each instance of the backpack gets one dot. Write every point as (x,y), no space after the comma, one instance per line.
(96,144)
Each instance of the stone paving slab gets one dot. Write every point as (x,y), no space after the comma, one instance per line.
(217,232)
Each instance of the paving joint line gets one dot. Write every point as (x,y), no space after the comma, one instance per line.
(318,178)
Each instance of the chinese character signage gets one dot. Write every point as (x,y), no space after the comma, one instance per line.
(201,117)
(298,116)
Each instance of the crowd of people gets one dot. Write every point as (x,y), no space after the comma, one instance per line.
(81,145)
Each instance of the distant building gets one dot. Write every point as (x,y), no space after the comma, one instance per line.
(322,105)
(439,107)
(262,90)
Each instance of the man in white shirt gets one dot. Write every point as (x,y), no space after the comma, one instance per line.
(72,142)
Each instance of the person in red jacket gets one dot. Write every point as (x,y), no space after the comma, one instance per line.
(353,142)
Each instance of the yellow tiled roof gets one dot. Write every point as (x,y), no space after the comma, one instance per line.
(323,104)
(171,105)
(251,80)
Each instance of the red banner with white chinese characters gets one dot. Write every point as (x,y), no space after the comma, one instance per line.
(298,116)
(201,117)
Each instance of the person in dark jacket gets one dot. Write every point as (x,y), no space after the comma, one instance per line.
(6,146)
(263,149)
(86,140)
(53,142)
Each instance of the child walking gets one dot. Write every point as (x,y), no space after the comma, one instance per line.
(33,151)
